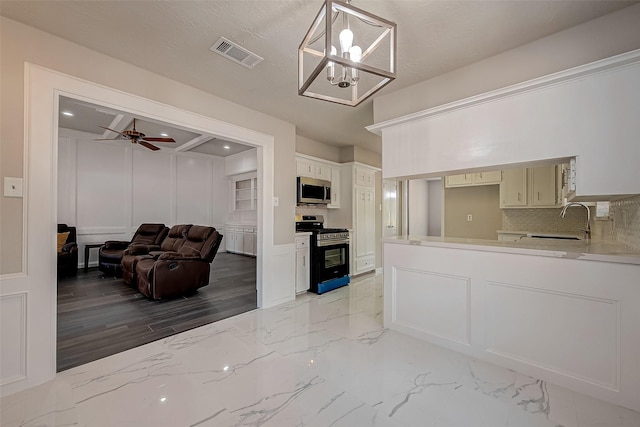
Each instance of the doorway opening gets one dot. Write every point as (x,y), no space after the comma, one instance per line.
(107,186)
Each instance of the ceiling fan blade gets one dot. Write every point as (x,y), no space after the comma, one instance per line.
(146,138)
(149,146)
(112,130)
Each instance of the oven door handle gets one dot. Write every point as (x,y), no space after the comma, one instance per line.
(324,243)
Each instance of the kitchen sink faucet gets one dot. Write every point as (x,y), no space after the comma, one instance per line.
(587,229)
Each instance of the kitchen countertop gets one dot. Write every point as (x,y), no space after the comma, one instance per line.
(595,250)
(303,233)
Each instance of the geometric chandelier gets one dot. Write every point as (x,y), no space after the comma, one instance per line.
(347,55)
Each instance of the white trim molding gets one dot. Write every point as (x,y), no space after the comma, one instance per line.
(548,80)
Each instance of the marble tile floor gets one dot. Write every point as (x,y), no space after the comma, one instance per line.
(319,361)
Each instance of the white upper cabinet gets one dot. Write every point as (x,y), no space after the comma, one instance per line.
(327,171)
(468,179)
(365,176)
(335,188)
(513,189)
(305,168)
(313,169)
(538,187)
(544,186)
(245,192)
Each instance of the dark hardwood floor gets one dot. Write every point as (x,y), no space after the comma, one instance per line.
(100,316)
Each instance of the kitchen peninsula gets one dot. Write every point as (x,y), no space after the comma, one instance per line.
(564,312)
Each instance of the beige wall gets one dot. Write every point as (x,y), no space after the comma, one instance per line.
(483,202)
(317,149)
(600,38)
(22,44)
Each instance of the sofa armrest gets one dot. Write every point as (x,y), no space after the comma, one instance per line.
(69,247)
(140,249)
(116,244)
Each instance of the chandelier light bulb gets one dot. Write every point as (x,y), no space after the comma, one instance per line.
(346,40)
(355,53)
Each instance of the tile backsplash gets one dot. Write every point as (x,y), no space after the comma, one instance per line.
(625,219)
(545,220)
(313,210)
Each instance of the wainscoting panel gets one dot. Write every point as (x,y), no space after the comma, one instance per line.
(432,303)
(13,337)
(555,330)
(102,180)
(151,187)
(193,196)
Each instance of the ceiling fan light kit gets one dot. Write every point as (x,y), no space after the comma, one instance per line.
(347,55)
(136,137)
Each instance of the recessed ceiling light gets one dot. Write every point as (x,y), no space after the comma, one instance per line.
(164,134)
(68,113)
(226,147)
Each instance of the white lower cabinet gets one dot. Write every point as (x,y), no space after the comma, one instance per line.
(303,264)
(241,239)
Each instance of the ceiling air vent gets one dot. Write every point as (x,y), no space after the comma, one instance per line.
(236,53)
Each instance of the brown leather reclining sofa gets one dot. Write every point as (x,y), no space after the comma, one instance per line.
(110,254)
(181,263)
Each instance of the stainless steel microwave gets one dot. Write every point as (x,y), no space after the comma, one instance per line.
(310,190)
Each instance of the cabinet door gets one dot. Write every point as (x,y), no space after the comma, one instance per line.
(544,186)
(231,240)
(335,188)
(365,177)
(305,168)
(302,270)
(365,222)
(323,171)
(513,189)
(459,180)
(493,177)
(247,243)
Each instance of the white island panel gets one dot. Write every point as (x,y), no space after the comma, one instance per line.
(570,321)
(436,304)
(568,333)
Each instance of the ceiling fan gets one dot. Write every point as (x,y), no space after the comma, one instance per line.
(136,137)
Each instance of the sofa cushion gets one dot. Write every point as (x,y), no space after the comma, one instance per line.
(148,233)
(62,239)
(176,237)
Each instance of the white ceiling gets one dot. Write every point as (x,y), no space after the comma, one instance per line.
(172,38)
(91,118)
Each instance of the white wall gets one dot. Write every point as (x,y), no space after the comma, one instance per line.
(418,211)
(434,214)
(116,187)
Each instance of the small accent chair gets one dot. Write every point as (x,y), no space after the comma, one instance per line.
(67,251)
(173,241)
(110,254)
(173,273)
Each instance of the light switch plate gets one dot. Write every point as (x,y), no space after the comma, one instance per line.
(12,187)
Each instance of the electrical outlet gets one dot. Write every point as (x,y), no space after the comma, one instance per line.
(469,217)
(12,187)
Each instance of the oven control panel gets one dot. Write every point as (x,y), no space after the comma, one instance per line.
(333,236)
